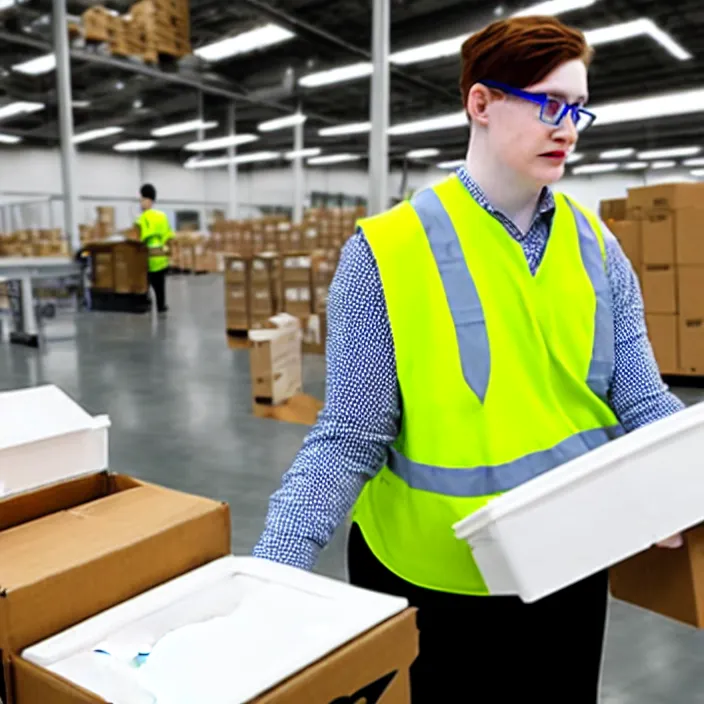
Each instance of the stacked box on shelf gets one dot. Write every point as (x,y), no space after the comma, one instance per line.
(100,25)
(165,24)
(672,247)
(297,284)
(250,290)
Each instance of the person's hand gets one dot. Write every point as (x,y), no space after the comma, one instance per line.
(672,543)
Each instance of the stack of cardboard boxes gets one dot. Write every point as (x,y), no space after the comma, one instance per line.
(119,267)
(251,291)
(663,235)
(34,243)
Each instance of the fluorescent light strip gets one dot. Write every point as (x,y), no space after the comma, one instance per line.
(281,123)
(669,153)
(594,169)
(636,165)
(617,153)
(664,105)
(574,157)
(38,66)
(20,107)
(181,127)
(136,145)
(97,134)
(431,124)
(303,153)
(422,153)
(234,140)
(244,43)
(195,163)
(337,75)
(81,103)
(333,159)
(637,28)
(554,7)
(669,164)
(697,172)
(693,162)
(451,164)
(9,139)
(351,128)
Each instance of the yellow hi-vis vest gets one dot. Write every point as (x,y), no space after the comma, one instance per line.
(155,233)
(502,375)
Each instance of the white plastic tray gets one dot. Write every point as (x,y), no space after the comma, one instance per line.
(46,437)
(592,512)
(222,634)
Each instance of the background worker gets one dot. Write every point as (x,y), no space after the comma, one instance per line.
(155,232)
(480,335)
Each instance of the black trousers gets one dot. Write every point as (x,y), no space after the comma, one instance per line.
(157,280)
(497,649)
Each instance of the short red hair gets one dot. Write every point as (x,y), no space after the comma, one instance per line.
(520,51)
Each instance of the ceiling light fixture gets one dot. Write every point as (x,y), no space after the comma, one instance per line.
(455,164)
(350,128)
(664,105)
(430,124)
(281,123)
(617,153)
(669,153)
(693,162)
(333,159)
(9,139)
(636,165)
(303,153)
(181,127)
(668,164)
(697,172)
(340,74)
(244,43)
(215,162)
(136,145)
(422,153)
(99,133)
(233,140)
(554,7)
(574,157)
(20,107)
(594,169)
(637,28)
(38,66)
(80,103)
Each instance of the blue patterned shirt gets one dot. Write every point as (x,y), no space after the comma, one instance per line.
(361,417)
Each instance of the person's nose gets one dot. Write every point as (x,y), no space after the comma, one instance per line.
(567,131)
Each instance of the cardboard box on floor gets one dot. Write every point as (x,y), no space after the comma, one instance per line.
(74,539)
(668,582)
(276,361)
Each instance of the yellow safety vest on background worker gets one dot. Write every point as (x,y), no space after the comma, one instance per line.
(155,233)
(502,375)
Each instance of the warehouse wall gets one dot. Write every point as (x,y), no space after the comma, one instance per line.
(112,179)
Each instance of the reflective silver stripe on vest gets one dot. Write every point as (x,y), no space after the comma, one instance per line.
(485,481)
(461,293)
(602,364)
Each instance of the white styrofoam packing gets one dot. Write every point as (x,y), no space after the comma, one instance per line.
(222,634)
(46,437)
(592,512)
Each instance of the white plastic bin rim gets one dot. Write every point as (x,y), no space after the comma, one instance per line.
(598,460)
(39,413)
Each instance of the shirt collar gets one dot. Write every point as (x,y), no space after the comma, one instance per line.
(546,203)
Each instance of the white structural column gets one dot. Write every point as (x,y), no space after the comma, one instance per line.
(232,196)
(380,86)
(68,151)
(298,174)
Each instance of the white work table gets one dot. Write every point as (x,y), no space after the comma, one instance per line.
(25,270)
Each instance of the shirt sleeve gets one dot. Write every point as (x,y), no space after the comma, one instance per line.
(349,443)
(638,394)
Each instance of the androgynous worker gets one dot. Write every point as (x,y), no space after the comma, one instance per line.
(479,335)
(155,231)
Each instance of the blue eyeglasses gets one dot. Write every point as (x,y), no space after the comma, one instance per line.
(552,110)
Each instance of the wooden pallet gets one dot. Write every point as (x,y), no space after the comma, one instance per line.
(302,409)
(238,339)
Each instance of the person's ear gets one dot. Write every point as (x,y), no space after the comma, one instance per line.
(478,101)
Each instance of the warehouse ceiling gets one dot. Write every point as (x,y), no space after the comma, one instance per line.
(664,55)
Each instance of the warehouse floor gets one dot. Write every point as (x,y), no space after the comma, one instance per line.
(179,403)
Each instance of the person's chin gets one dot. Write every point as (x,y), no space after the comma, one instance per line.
(547,174)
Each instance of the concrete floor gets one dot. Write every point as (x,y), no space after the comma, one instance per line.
(180,408)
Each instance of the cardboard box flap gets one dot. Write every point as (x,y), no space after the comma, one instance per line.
(40,413)
(277,326)
(69,565)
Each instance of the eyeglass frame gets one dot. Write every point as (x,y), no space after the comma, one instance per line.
(575,109)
